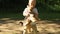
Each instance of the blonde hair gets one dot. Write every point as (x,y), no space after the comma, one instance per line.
(32,4)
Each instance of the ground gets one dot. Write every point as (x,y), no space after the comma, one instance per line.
(10,26)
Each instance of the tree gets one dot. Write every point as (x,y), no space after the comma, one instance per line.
(51,5)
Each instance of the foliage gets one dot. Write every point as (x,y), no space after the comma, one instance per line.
(49,5)
(48,9)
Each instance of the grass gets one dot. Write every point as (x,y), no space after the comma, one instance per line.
(43,16)
(49,16)
(11,15)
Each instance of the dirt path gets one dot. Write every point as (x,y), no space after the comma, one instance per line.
(8,26)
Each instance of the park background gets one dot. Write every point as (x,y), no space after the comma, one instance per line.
(11,12)
(48,9)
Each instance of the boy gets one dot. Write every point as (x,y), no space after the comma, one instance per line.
(30,17)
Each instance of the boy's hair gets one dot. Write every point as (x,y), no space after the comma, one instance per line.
(32,4)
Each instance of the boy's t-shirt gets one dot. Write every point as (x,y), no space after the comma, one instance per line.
(27,11)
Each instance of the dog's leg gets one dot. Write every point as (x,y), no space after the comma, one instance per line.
(34,28)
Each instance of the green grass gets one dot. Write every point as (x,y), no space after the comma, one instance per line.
(49,16)
(11,15)
(44,16)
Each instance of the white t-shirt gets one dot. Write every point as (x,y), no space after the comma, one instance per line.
(26,11)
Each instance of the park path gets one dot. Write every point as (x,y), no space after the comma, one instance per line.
(12,26)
